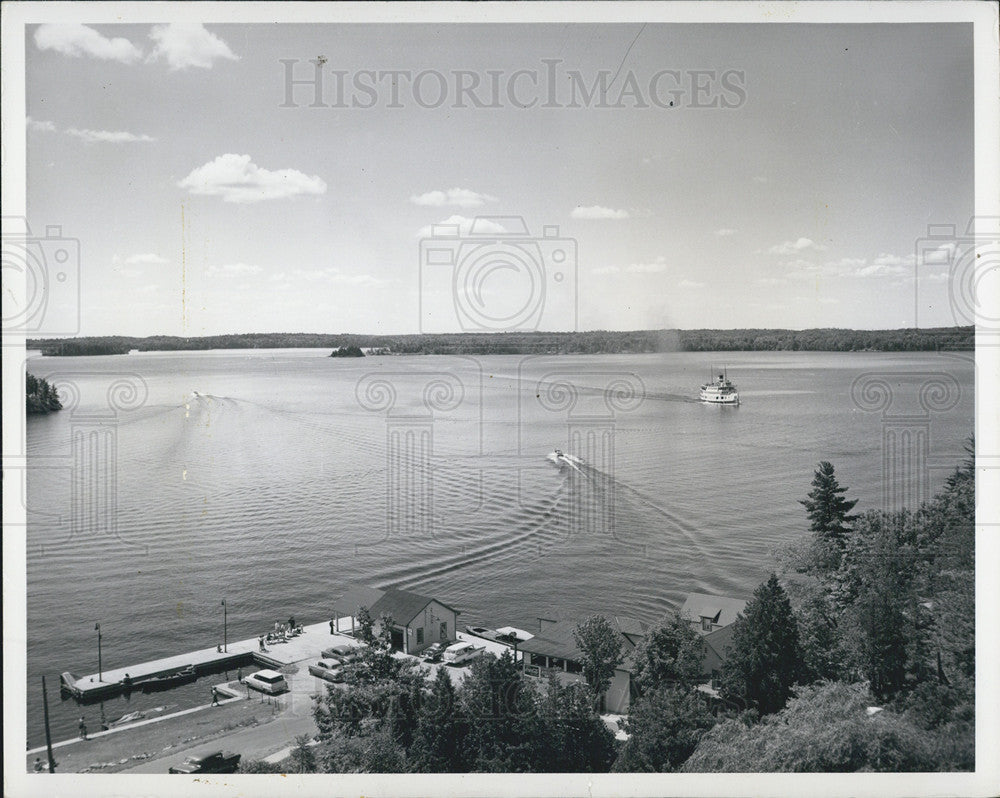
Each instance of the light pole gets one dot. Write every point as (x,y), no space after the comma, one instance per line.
(100,669)
(225,624)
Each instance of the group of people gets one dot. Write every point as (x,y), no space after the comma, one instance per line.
(281,633)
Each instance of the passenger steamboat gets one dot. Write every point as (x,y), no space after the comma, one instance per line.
(720,392)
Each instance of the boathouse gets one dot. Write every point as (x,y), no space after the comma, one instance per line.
(417,620)
(554,650)
(713,617)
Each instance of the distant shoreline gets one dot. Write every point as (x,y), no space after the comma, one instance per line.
(525,343)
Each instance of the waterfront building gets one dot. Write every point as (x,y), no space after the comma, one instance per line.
(417,621)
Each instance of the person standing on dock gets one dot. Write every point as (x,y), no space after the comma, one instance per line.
(331,627)
(83,728)
(260,642)
(215,696)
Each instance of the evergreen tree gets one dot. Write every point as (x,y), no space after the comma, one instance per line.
(601,649)
(500,709)
(437,743)
(765,659)
(828,510)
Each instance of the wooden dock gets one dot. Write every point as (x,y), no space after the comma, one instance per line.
(241,653)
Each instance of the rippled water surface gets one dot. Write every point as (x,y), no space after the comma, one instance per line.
(275,478)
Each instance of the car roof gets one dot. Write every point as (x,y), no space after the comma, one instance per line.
(267,672)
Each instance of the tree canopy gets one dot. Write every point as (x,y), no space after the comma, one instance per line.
(765,659)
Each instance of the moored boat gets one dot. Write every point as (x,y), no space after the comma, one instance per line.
(170,680)
(720,392)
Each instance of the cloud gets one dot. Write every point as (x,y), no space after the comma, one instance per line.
(793,247)
(44,127)
(184,45)
(886,265)
(653,267)
(108,136)
(145,258)
(484,226)
(597,212)
(78,40)
(462,197)
(691,284)
(236,179)
(234,268)
(726,231)
(330,275)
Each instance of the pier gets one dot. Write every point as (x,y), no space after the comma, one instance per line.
(111,682)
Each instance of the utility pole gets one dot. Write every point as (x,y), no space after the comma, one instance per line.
(97,628)
(48,733)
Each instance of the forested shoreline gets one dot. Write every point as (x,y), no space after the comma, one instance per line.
(562,343)
(40,396)
(857,654)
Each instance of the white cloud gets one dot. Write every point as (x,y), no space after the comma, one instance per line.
(462,197)
(184,45)
(234,268)
(236,179)
(108,136)
(78,40)
(330,275)
(793,247)
(691,284)
(726,231)
(653,267)
(484,226)
(597,212)
(44,127)
(146,257)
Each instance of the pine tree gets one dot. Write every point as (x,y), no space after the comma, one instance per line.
(829,514)
(765,659)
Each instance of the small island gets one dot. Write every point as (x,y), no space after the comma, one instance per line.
(40,396)
(347,351)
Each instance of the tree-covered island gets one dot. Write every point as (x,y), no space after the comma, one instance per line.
(40,396)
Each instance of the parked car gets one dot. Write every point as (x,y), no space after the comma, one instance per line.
(216,762)
(342,654)
(330,671)
(433,652)
(458,653)
(267,681)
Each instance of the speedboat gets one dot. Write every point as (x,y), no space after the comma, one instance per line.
(720,392)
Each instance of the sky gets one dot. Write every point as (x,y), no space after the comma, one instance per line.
(789,185)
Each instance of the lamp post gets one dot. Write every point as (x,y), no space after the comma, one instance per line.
(100,669)
(225,624)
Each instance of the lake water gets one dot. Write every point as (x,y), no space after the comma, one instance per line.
(274,479)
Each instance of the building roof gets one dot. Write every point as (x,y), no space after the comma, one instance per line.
(630,626)
(357,596)
(721,609)
(401,605)
(720,640)
(558,641)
